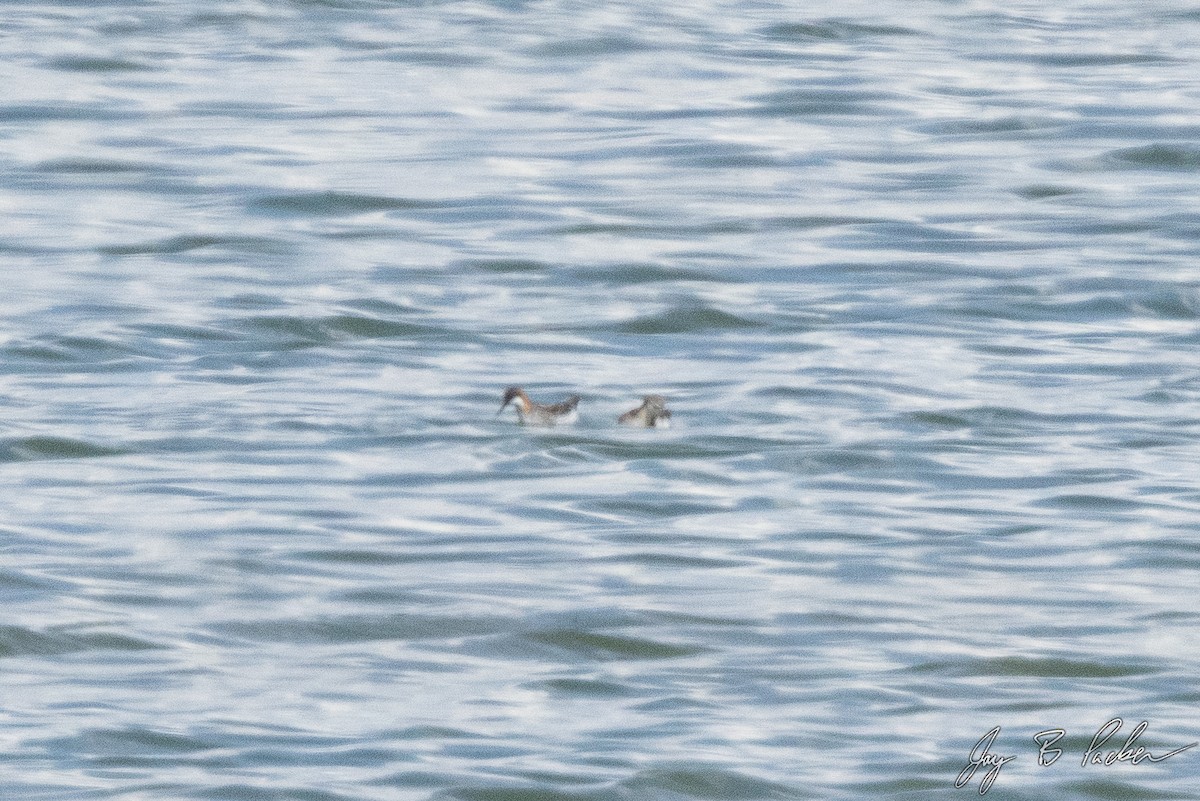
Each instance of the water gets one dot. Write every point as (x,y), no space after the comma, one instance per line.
(919,280)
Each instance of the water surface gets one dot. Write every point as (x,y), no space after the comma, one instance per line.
(919,280)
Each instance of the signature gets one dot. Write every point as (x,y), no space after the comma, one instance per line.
(981,755)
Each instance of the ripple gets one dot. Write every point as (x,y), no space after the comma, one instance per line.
(67,112)
(504,266)
(586,688)
(822,101)
(1046,191)
(587,47)
(361,628)
(603,647)
(18,641)
(336,204)
(707,782)
(1092,503)
(1080,59)
(190,242)
(98,354)
(1043,668)
(48,447)
(97,64)
(293,331)
(686,320)
(1175,158)
(183,333)
(141,741)
(77,165)
(835,30)
(1019,127)
(633,274)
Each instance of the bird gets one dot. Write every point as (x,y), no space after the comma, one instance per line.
(653,413)
(540,414)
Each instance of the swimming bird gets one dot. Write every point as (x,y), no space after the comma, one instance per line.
(653,413)
(540,414)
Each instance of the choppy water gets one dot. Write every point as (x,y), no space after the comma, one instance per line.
(921,281)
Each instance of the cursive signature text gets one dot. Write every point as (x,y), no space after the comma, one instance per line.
(981,755)
(1128,753)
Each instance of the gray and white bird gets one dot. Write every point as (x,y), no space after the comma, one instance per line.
(653,413)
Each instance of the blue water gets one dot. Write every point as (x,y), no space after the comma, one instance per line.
(921,282)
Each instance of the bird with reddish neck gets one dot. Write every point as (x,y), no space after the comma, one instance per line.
(540,414)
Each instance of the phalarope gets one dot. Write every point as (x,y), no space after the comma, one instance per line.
(540,414)
(653,413)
